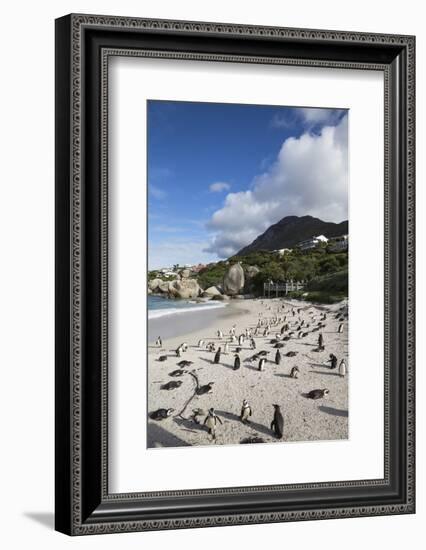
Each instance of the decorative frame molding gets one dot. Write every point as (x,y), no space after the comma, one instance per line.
(84,44)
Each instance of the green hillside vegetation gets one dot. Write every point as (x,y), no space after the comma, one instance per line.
(324,271)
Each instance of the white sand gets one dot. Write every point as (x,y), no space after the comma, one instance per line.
(304,419)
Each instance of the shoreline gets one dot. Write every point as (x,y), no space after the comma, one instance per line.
(187,322)
(304,419)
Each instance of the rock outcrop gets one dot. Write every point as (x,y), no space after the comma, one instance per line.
(212,291)
(185,289)
(233,281)
(154,285)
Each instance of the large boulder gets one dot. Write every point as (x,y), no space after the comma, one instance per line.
(154,284)
(212,291)
(164,286)
(233,281)
(185,273)
(185,289)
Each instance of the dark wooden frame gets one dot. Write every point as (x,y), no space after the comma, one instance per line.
(83,46)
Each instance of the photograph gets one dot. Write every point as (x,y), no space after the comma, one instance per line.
(247,274)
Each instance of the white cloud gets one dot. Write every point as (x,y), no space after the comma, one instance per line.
(219,186)
(313,116)
(309,177)
(309,117)
(156,192)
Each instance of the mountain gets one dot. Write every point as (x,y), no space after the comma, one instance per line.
(291,230)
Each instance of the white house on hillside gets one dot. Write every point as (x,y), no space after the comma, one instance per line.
(339,244)
(313,242)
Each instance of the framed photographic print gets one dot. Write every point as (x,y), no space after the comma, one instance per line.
(234,274)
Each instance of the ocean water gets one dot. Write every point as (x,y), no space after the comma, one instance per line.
(165,307)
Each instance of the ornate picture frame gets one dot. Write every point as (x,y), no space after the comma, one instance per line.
(84,44)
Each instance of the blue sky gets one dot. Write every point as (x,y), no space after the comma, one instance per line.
(216,177)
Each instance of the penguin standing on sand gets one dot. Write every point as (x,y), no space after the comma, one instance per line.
(332,361)
(237,362)
(277,424)
(211,421)
(278,357)
(262,363)
(340,329)
(252,344)
(217,356)
(159,342)
(294,372)
(241,340)
(321,341)
(342,368)
(245,411)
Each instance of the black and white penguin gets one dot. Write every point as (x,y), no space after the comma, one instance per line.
(179,351)
(261,363)
(340,329)
(211,421)
(342,368)
(178,372)
(159,342)
(245,411)
(253,343)
(237,362)
(332,361)
(277,424)
(294,372)
(200,343)
(198,415)
(161,414)
(185,363)
(217,356)
(172,385)
(219,334)
(278,357)
(317,394)
(320,340)
(207,388)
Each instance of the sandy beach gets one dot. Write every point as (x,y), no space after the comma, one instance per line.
(304,419)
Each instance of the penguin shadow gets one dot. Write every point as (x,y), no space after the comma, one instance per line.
(333,411)
(319,365)
(235,418)
(157,436)
(209,361)
(325,373)
(251,367)
(188,424)
(282,375)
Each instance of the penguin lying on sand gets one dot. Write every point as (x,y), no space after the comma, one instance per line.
(317,394)
(178,372)
(185,363)
(172,385)
(161,414)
